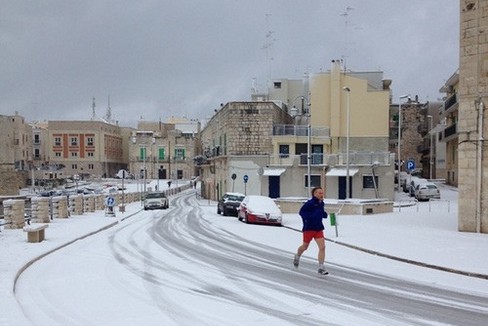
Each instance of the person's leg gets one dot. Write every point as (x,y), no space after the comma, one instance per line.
(307,237)
(321,255)
(321,244)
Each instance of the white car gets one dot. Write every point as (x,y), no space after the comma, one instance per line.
(260,210)
(156,200)
(426,191)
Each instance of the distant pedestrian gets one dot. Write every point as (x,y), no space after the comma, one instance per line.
(312,213)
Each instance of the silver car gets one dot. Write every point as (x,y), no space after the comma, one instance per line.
(426,191)
(156,200)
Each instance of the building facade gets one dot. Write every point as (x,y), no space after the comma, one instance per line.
(86,148)
(471,130)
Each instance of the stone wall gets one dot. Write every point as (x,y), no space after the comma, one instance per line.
(473,94)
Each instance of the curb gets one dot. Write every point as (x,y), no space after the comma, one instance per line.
(29,263)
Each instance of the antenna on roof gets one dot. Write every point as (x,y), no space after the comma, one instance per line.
(345,14)
(108,116)
(93,109)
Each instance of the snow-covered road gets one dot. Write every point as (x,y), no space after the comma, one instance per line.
(187,266)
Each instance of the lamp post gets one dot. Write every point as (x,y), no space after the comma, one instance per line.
(399,161)
(348,115)
(431,161)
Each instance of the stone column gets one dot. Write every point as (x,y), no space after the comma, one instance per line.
(14,213)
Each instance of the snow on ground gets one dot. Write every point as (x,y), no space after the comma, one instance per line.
(425,233)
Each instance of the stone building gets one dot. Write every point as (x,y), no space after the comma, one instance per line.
(15,153)
(471,130)
(237,141)
(163,150)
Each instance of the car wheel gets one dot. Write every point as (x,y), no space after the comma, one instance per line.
(218,210)
(246,220)
(239,218)
(225,212)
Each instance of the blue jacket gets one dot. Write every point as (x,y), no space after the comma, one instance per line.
(312,213)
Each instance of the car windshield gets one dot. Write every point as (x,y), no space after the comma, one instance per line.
(233,198)
(155,195)
(430,186)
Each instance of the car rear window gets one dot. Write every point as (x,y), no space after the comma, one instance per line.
(155,195)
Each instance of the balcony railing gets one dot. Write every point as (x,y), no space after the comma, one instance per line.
(358,159)
(300,130)
(450,131)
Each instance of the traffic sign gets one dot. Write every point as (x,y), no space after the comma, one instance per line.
(110,201)
(245,178)
(410,165)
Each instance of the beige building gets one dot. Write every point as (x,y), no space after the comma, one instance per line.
(330,100)
(237,145)
(15,153)
(471,126)
(278,144)
(87,148)
(163,150)
(448,115)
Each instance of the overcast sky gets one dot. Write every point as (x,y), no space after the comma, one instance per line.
(157,59)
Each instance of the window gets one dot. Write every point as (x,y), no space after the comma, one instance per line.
(57,154)
(161,154)
(284,151)
(90,141)
(180,153)
(74,141)
(74,154)
(277,85)
(90,154)
(37,153)
(314,180)
(74,166)
(369,182)
(142,153)
(37,139)
(57,141)
(91,166)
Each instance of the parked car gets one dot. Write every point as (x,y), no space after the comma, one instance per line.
(156,200)
(229,203)
(259,209)
(426,191)
(412,185)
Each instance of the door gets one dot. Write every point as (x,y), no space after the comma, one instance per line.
(274,186)
(342,187)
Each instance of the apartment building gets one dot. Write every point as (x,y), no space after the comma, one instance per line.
(237,146)
(15,153)
(87,148)
(164,150)
(448,116)
(341,119)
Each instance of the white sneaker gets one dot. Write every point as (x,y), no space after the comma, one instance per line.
(296,261)
(323,271)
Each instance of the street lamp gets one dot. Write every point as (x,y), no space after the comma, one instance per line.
(348,92)
(399,161)
(431,161)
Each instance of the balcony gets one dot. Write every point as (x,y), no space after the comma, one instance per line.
(300,130)
(449,133)
(450,105)
(357,159)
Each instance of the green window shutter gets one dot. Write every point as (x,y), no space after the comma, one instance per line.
(142,153)
(161,154)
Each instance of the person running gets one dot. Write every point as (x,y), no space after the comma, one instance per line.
(312,213)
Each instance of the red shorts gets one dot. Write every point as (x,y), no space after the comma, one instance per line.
(309,235)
